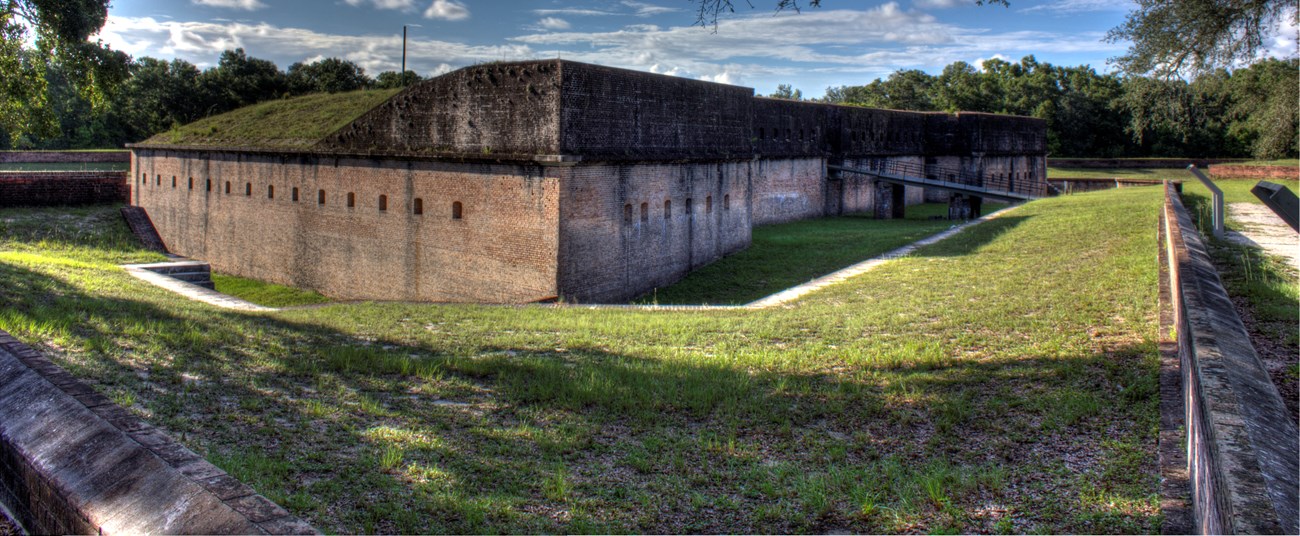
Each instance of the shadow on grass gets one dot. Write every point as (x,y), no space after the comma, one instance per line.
(517,440)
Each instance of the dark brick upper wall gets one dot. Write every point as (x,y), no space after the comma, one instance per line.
(555,107)
(53,188)
(608,112)
(498,109)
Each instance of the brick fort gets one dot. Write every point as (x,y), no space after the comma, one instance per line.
(543,180)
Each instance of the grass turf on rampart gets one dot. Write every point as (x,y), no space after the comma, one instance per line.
(1003,380)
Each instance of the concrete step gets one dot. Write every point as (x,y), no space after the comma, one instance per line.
(192,277)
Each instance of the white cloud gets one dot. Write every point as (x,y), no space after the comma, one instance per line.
(941,4)
(574,12)
(447,10)
(553,23)
(397,5)
(1284,41)
(247,5)
(201,43)
(1066,7)
(643,9)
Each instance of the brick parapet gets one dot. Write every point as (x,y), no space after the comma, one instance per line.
(54,188)
(1242,445)
(75,462)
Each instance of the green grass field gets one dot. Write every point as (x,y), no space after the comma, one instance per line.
(1004,380)
(265,294)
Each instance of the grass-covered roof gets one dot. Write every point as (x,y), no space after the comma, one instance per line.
(294,123)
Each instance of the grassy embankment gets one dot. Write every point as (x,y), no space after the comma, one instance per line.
(1269,287)
(1003,380)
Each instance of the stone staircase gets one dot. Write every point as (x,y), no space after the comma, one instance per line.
(195,272)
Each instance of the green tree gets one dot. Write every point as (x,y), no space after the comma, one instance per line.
(329,75)
(1264,113)
(786,91)
(61,29)
(239,80)
(904,90)
(394,79)
(1179,37)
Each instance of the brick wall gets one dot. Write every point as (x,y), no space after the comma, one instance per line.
(1240,439)
(501,248)
(610,113)
(52,188)
(610,250)
(498,109)
(1254,172)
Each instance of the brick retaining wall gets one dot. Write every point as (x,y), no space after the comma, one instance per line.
(1240,439)
(72,461)
(1125,163)
(1254,172)
(53,188)
(63,157)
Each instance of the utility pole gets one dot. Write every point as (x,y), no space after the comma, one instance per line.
(403,55)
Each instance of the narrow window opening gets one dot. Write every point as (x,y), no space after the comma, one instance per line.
(668,209)
(270,191)
(457,211)
(627,213)
(294,193)
(688,207)
(191,183)
(419,207)
(760,133)
(708,205)
(227,187)
(320,197)
(157,180)
(248,189)
(645,212)
(352,200)
(383,203)
(726,202)
(209,185)
(173,181)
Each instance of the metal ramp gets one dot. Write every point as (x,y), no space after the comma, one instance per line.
(957,181)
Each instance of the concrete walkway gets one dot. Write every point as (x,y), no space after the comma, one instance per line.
(785,297)
(1265,230)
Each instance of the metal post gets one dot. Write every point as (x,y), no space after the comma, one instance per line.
(403,78)
(1218,199)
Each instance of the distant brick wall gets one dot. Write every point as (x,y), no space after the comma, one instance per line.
(1254,172)
(52,188)
(63,157)
(501,248)
(1115,163)
(1240,440)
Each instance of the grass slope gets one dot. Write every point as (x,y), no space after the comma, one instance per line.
(1000,381)
(286,123)
(266,294)
(788,254)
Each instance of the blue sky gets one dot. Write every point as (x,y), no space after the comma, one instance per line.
(843,42)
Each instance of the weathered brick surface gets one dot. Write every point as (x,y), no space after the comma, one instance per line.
(1242,455)
(611,251)
(66,467)
(502,249)
(495,109)
(54,188)
(1254,172)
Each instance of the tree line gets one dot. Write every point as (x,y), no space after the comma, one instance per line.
(156,95)
(1246,112)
